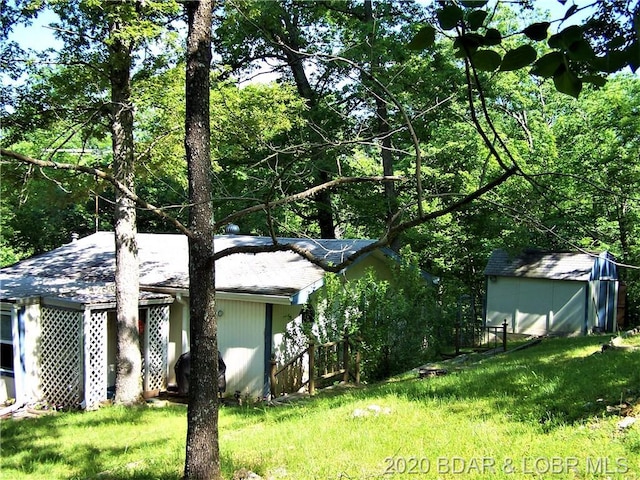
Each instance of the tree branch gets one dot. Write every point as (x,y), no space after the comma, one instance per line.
(305,194)
(99,174)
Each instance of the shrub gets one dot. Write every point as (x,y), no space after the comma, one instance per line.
(398,322)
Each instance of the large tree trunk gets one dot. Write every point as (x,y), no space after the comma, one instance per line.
(202,451)
(291,48)
(383,127)
(129,359)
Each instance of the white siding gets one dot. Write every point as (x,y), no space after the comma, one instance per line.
(177,311)
(379,264)
(282,316)
(241,336)
(32,334)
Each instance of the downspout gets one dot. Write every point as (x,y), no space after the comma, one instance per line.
(268,342)
(21,371)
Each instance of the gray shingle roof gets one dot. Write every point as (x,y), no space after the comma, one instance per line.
(88,266)
(536,264)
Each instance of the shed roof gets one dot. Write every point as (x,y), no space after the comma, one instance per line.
(85,268)
(538,264)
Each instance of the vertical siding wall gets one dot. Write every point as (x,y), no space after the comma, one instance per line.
(537,307)
(241,331)
(282,316)
(32,334)
(241,340)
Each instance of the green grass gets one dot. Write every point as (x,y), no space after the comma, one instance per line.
(536,413)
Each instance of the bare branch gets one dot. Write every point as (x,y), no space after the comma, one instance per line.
(306,194)
(384,241)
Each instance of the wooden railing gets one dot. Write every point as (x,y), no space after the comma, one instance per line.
(324,364)
(483,337)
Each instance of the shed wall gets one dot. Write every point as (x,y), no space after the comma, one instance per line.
(537,306)
(241,341)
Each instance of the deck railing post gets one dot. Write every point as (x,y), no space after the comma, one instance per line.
(345,359)
(312,372)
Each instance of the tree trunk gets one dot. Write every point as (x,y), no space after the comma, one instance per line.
(202,451)
(383,127)
(129,358)
(290,48)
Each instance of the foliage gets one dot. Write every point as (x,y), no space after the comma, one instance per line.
(397,322)
(605,43)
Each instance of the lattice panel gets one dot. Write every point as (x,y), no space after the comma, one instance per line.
(61,357)
(96,358)
(157,332)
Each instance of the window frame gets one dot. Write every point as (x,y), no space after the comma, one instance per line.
(4,312)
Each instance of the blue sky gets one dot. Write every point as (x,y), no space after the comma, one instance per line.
(39,37)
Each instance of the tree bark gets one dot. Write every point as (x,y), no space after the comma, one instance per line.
(129,358)
(202,451)
(290,47)
(383,127)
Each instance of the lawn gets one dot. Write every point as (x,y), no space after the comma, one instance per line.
(549,411)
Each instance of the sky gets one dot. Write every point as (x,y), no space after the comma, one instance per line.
(38,36)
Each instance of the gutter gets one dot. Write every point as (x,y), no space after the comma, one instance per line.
(224,295)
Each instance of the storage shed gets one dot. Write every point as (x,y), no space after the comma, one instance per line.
(559,293)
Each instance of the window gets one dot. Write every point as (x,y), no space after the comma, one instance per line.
(6,342)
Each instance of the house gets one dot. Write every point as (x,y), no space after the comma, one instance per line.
(540,293)
(58,312)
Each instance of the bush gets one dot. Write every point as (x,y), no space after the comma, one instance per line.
(398,322)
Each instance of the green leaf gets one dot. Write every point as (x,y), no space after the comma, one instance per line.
(633,53)
(572,9)
(424,39)
(449,16)
(566,37)
(616,42)
(581,50)
(596,80)
(486,60)
(611,62)
(547,65)
(537,31)
(567,82)
(518,58)
(492,37)
(476,19)
(467,44)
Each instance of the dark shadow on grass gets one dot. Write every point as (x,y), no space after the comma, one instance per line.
(22,451)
